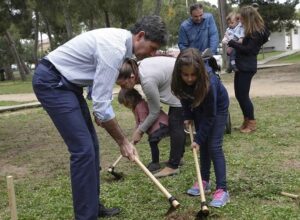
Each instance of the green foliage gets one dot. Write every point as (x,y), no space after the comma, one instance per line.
(5,17)
(124,11)
(276,15)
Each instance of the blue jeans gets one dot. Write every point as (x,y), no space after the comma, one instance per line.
(242,83)
(69,112)
(212,151)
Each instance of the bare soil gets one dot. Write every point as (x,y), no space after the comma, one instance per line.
(278,81)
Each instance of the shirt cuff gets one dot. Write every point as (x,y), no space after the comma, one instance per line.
(107,115)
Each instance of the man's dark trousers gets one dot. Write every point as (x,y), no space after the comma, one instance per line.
(68,109)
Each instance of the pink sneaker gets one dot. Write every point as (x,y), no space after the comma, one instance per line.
(220,198)
(195,191)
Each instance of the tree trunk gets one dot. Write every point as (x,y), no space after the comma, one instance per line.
(91,22)
(158,7)
(36,38)
(15,55)
(42,44)
(123,22)
(2,76)
(139,7)
(222,11)
(48,28)
(107,22)
(68,20)
(25,67)
(9,73)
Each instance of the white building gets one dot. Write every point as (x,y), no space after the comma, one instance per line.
(285,40)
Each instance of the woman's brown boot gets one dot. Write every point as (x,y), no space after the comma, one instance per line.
(243,125)
(249,127)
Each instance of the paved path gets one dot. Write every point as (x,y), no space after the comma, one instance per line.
(27,97)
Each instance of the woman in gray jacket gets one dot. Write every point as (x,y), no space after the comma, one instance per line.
(154,74)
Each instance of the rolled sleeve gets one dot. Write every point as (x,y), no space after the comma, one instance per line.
(104,80)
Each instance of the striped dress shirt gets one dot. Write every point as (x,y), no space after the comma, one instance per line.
(94,58)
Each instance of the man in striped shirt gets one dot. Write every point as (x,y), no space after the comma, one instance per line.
(91,58)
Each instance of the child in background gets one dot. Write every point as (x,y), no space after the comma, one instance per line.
(235,31)
(205,102)
(133,100)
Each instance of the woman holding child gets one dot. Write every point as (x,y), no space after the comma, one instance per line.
(246,62)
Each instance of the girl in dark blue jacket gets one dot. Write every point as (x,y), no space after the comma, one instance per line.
(205,102)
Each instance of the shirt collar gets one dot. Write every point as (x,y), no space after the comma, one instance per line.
(129,46)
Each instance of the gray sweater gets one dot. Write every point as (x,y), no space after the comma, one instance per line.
(155,75)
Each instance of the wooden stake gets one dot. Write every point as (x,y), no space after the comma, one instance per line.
(12,197)
(290,195)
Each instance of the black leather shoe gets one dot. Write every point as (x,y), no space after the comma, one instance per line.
(107,212)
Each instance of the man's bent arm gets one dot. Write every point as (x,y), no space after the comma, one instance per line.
(114,130)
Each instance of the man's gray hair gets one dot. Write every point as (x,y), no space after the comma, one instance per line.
(154,28)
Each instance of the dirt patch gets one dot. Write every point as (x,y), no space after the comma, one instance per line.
(26,97)
(294,164)
(278,81)
(8,169)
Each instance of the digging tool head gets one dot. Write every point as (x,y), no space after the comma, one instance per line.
(173,206)
(203,213)
(112,171)
(170,210)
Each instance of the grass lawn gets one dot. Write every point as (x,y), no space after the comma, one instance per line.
(265,55)
(259,167)
(9,103)
(294,58)
(16,87)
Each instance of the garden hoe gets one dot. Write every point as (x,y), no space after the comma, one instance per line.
(112,171)
(204,210)
(174,203)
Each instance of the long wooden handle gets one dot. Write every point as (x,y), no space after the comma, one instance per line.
(202,195)
(174,202)
(12,197)
(117,161)
(110,169)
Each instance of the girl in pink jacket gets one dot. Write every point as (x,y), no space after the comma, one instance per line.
(133,100)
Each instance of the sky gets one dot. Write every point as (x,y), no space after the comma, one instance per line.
(215,2)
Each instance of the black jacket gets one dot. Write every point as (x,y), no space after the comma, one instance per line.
(246,53)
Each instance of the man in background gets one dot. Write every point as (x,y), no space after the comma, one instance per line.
(199,31)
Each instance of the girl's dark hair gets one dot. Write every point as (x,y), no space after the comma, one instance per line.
(129,96)
(129,66)
(190,57)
